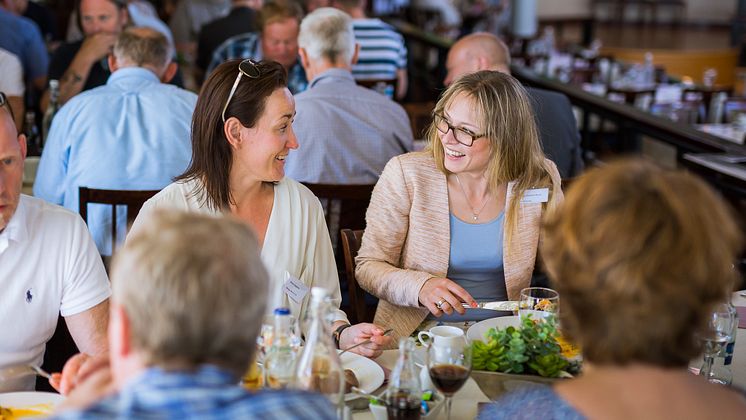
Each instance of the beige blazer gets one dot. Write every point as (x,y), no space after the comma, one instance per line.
(407,240)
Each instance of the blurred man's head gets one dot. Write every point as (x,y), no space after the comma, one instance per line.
(188,290)
(326,39)
(279,23)
(144,47)
(102,16)
(12,155)
(475,52)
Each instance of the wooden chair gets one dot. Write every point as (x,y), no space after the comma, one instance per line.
(704,94)
(383,86)
(131,199)
(420,116)
(344,205)
(361,311)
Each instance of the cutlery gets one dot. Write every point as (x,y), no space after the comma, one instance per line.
(370,396)
(387,332)
(15,372)
(494,306)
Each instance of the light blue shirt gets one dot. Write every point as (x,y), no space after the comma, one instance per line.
(130,134)
(346,133)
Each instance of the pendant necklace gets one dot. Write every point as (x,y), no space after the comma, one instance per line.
(475,214)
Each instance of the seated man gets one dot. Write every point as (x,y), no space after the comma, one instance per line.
(558,130)
(277,40)
(131,134)
(346,132)
(48,266)
(188,303)
(22,38)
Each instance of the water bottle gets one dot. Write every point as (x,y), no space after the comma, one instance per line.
(404,394)
(721,366)
(319,368)
(31,131)
(728,350)
(648,70)
(54,105)
(279,364)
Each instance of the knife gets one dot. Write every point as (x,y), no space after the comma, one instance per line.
(494,306)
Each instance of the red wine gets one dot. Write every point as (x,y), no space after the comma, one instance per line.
(403,406)
(448,378)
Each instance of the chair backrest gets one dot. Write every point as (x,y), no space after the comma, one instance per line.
(344,205)
(420,116)
(383,86)
(132,199)
(351,240)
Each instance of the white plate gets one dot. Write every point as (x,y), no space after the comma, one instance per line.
(43,402)
(477,331)
(368,373)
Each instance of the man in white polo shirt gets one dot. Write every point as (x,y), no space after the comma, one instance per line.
(49,266)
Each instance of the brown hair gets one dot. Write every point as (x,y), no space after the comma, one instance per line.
(639,255)
(194,290)
(273,11)
(507,120)
(212,155)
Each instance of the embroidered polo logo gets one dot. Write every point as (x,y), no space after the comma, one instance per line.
(29,296)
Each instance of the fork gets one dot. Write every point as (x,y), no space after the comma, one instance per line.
(20,371)
(387,332)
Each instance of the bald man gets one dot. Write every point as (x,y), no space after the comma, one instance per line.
(557,127)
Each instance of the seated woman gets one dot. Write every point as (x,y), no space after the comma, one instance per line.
(639,256)
(460,220)
(241,134)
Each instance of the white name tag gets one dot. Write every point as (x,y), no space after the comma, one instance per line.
(295,289)
(535,195)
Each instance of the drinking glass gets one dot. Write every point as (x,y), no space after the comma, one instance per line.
(716,335)
(449,366)
(538,302)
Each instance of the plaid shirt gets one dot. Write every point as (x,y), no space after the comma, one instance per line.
(209,394)
(248,45)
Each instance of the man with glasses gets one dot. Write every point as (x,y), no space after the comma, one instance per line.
(558,130)
(346,132)
(277,40)
(49,267)
(131,134)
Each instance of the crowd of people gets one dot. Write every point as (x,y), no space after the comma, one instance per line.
(234,233)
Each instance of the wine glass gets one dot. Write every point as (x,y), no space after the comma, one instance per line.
(449,366)
(716,335)
(538,302)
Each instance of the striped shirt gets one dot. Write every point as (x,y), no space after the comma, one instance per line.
(382,50)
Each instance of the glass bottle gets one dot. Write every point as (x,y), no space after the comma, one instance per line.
(280,360)
(31,131)
(319,368)
(54,105)
(404,394)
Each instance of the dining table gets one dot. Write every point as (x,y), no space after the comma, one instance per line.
(466,400)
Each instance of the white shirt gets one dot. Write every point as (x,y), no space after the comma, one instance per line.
(49,266)
(11,82)
(297,239)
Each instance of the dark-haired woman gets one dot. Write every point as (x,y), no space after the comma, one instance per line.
(241,134)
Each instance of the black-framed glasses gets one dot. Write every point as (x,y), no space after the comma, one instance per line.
(246,68)
(462,135)
(4,103)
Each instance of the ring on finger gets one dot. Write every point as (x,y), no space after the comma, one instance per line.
(439,304)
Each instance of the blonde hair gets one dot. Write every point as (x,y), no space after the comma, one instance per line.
(507,120)
(639,255)
(194,290)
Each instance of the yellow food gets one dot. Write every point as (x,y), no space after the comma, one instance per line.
(567,349)
(9,413)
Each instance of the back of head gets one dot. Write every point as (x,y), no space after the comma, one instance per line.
(274,11)
(211,153)
(327,33)
(143,47)
(475,52)
(194,290)
(639,254)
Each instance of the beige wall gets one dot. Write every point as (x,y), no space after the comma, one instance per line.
(716,11)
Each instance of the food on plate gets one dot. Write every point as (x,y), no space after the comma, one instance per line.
(568,349)
(10,413)
(350,380)
(532,348)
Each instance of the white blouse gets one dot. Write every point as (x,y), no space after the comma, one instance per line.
(297,240)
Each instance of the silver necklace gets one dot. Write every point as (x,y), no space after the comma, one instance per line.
(475,214)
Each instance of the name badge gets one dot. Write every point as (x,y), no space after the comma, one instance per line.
(535,195)
(295,289)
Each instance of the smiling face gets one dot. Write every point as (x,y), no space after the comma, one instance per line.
(12,154)
(280,41)
(462,113)
(264,147)
(101,16)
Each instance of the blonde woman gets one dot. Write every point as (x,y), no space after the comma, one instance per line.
(459,221)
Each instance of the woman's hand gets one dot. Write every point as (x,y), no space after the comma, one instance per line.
(361,332)
(76,369)
(441,295)
(95,386)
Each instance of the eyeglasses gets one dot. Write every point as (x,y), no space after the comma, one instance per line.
(4,103)
(246,68)
(462,135)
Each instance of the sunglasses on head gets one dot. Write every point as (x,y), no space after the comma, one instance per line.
(246,68)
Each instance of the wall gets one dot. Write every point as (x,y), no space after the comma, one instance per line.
(704,11)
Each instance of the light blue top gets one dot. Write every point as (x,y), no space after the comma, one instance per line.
(346,133)
(130,134)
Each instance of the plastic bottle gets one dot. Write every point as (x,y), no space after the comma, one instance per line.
(280,360)
(54,105)
(404,394)
(319,368)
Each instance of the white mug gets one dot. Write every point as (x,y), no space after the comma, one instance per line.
(442,335)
